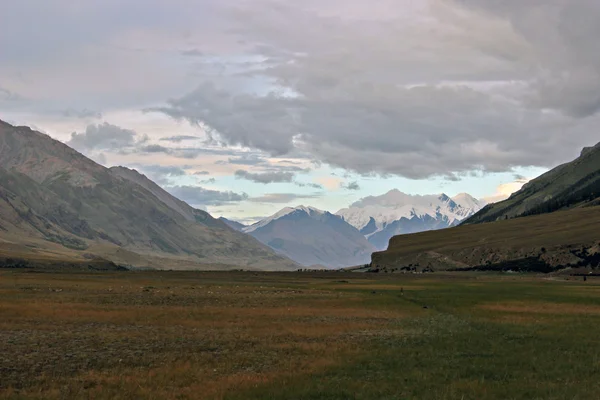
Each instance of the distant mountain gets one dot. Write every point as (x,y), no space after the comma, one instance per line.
(571,185)
(54,199)
(313,237)
(380,218)
(233,224)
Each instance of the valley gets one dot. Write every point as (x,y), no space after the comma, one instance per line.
(334,335)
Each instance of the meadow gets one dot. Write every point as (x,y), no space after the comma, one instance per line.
(248,335)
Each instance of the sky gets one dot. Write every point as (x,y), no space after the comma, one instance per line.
(242,107)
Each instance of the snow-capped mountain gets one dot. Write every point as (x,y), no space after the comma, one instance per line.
(313,237)
(381,217)
(469,203)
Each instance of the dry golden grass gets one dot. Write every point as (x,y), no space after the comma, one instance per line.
(178,335)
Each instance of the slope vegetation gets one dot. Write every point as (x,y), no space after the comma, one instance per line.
(541,242)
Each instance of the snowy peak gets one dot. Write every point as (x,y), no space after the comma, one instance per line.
(310,211)
(381,217)
(395,205)
(467,201)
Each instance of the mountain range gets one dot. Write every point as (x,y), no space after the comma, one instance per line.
(55,202)
(313,238)
(316,238)
(380,218)
(549,225)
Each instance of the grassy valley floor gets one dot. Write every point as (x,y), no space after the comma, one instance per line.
(243,335)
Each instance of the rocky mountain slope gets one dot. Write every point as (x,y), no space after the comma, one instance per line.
(51,194)
(541,243)
(380,218)
(575,184)
(313,237)
(233,224)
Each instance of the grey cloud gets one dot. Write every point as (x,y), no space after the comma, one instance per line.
(419,132)
(82,113)
(154,148)
(9,96)
(192,53)
(481,84)
(311,185)
(160,174)
(208,181)
(281,198)
(267,177)
(198,196)
(100,158)
(446,102)
(350,186)
(179,138)
(162,169)
(248,159)
(202,173)
(102,137)
(562,38)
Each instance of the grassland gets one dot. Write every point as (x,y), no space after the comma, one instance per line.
(552,238)
(227,335)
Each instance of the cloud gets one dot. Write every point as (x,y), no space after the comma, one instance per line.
(202,173)
(160,174)
(179,138)
(198,196)
(350,186)
(9,96)
(310,185)
(561,36)
(330,183)
(481,85)
(154,148)
(208,181)
(192,53)
(282,198)
(267,177)
(82,113)
(504,190)
(444,103)
(102,137)
(248,159)
(99,158)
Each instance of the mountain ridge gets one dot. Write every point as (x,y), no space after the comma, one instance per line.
(572,184)
(51,192)
(312,237)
